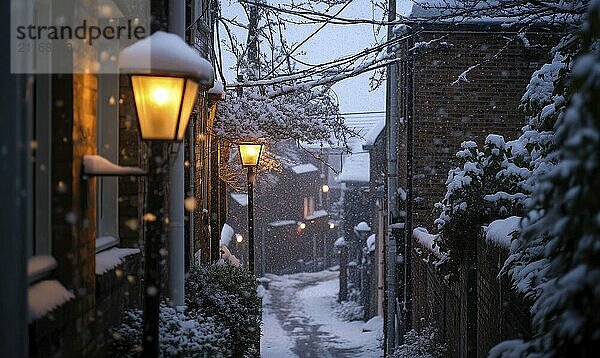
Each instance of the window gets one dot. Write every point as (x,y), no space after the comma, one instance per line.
(107,208)
(107,137)
(309,206)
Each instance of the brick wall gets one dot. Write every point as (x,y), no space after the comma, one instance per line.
(132,152)
(472,313)
(505,311)
(444,115)
(116,290)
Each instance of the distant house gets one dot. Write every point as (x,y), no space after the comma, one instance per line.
(291,217)
(356,198)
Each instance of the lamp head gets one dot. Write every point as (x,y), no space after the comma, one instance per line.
(250,154)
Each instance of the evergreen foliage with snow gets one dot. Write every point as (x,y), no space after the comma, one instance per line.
(228,294)
(182,334)
(488,185)
(349,311)
(564,220)
(424,344)
(549,176)
(222,318)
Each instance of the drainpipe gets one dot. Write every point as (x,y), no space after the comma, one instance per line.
(176,187)
(392,185)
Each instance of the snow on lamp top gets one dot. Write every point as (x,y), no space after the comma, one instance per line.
(217,90)
(166,53)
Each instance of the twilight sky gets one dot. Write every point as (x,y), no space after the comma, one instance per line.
(331,42)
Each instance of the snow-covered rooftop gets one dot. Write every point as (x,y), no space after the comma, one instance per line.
(167,53)
(240,198)
(316,214)
(304,168)
(356,168)
(279,223)
(366,131)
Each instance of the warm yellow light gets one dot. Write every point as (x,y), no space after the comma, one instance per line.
(160,95)
(331,225)
(250,154)
(239,238)
(325,188)
(302,226)
(164,105)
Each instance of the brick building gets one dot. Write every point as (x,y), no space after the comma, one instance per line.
(456,82)
(78,255)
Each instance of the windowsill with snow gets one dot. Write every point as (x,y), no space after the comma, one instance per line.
(44,296)
(109,259)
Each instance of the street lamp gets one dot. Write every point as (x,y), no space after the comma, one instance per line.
(250,155)
(325,188)
(166,75)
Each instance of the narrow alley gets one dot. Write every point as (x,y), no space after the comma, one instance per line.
(299,320)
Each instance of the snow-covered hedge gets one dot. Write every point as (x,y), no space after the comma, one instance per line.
(424,344)
(182,333)
(222,318)
(349,311)
(228,295)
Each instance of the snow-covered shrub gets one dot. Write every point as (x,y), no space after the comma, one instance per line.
(424,344)
(228,295)
(349,311)
(564,219)
(181,334)
(487,185)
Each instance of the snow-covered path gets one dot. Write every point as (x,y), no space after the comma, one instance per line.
(299,321)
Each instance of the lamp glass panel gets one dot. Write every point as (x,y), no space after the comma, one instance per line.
(157,100)
(189,98)
(250,154)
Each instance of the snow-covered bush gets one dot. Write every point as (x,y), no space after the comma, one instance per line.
(563,224)
(182,333)
(424,344)
(349,311)
(487,185)
(228,295)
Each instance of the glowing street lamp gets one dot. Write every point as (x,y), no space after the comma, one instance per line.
(166,75)
(325,188)
(301,225)
(163,105)
(239,238)
(250,156)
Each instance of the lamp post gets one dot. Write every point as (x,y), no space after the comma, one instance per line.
(166,75)
(250,155)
